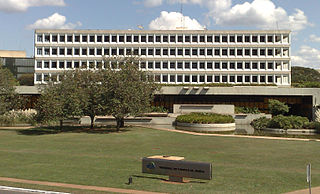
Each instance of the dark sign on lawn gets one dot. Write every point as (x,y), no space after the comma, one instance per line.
(177,168)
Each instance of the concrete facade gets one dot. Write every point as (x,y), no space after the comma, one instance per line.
(174,57)
(15,54)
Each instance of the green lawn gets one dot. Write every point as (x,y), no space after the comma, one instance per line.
(240,165)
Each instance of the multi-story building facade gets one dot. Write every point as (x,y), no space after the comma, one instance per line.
(174,57)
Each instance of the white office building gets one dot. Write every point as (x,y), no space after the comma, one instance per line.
(174,57)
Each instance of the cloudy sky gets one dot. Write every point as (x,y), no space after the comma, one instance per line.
(18,19)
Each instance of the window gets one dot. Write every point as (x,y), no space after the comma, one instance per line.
(239,65)
(114,38)
(209,39)
(201,78)
(76,64)
(187,65)
(69,38)
(224,38)
(91,65)
(262,38)
(39,51)
(165,38)
(84,38)
(106,51)
(135,38)
(54,64)
(270,65)
(232,52)
(158,38)
(239,78)
(129,38)
(54,38)
(247,52)
(247,38)
(217,78)
(217,52)
(61,51)
(232,39)
(172,38)
(232,65)
(179,78)
(77,51)
(99,38)
(62,38)
(157,65)
(69,64)
(254,38)
(77,38)
(84,65)
(224,52)
(158,51)
(209,65)
(232,78)
(135,51)
(194,78)
(209,52)
(91,39)
(224,78)
(186,78)
(39,64)
(143,38)
(150,65)
(172,51)
(247,78)
(164,78)
(239,38)
(194,38)
(262,78)
(201,65)
(262,65)
(172,65)
(172,78)
(150,51)
(254,65)
(224,65)
(247,65)
(202,52)
(270,78)
(262,52)
(47,38)
(180,51)
(91,51)
(180,38)
(165,51)
(143,51)
(194,65)
(99,51)
(239,52)
(186,51)
(217,65)
(209,78)
(150,38)
(187,39)
(179,65)
(201,38)
(270,52)
(217,38)
(195,51)
(165,65)
(69,51)
(38,77)
(46,77)
(254,52)
(61,64)
(39,38)
(143,64)
(270,39)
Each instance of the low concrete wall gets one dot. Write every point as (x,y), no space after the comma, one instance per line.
(210,108)
(137,121)
(291,131)
(246,119)
(206,127)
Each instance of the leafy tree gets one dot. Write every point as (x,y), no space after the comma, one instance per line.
(303,74)
(277,108)
(9,99)
(26,80)
(128,89)
(61,100)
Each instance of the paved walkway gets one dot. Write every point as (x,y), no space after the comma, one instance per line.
(306,191)
(73,186)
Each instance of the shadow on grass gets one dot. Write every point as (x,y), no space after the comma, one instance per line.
(163,179)
(70,129)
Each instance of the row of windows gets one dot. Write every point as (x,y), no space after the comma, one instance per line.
(172,65)
(166,51)
(189,78)
(176,38)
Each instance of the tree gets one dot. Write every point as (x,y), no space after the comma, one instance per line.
(9,99)
(277,108)
(61,100)
(128,89)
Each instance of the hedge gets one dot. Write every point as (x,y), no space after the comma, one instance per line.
(205,118)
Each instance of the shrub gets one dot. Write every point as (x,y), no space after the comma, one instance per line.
(205,118)
(160,109)
(260,123)
(277,108)
(18,117)
(247,110)
(287,122)
(312,125)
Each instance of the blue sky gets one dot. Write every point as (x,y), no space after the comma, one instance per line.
(18,18)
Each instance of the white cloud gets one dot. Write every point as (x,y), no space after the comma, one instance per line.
(172,20)
(153,3)
(259,13)
(23,5)
(307,56)
(55,21)
(314,38)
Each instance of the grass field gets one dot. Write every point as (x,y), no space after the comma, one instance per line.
(240,165)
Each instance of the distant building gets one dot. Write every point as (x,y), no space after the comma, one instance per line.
(17,61)
(175,56)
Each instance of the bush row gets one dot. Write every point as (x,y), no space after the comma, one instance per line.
(285,122)
(205,118)
(247,110)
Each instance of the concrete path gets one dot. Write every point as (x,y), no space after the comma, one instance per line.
(306,191)
(73,186)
